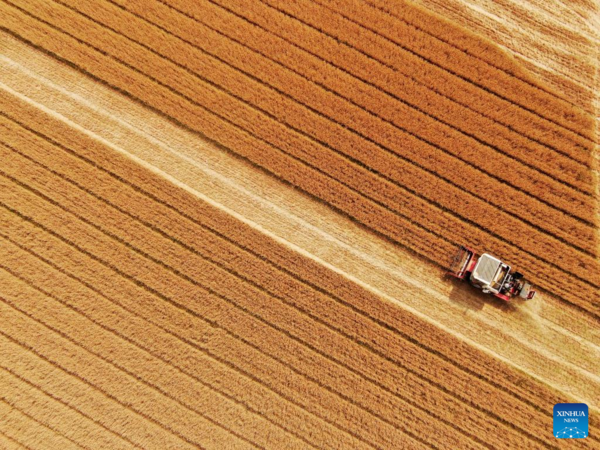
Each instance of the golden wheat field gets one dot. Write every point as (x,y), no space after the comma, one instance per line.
(226,224)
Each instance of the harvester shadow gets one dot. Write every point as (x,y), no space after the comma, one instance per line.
(466,296)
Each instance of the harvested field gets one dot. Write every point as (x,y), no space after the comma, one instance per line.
(224,224)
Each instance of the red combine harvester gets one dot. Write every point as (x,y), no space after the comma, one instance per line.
(489,274)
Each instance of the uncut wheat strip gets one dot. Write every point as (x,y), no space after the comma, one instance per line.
(344,413)
(388,228)
(127,169)
(426,102)
(317,126)
(181,387)
(276,284)
(180,331)
(267,336)
(111,345)
(45,375)
(11,367)
(56,346)
(28,431)
(385,22)
(580,265)
(538,101)
(271,43)
(67,421)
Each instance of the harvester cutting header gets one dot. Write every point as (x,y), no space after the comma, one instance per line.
(489,274)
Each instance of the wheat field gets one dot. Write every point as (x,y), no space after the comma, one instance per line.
(226,223)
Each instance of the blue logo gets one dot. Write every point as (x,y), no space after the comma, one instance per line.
(571,420)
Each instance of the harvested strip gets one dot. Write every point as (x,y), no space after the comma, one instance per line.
(399,232)
(531,98)
(67,421)
(27,431)
(166,251)
(407,88)
(583,266)
(339,137)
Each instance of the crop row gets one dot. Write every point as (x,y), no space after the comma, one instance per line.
(287,319)
(374,133)
(384,31)
(355,177)
(531,97)
(74,344)
(20,430)
(79,394)
(319,305)
(46,408)
(347,200)
(461,106)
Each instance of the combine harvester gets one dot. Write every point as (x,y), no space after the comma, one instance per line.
(489,274)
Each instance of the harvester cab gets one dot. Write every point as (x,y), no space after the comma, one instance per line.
(489,274)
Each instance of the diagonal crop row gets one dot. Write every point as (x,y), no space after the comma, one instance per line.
(461,106)
(567,119)
(405,233)
(336,314)
(21,394)
(242,114)
(89,401)
(70,355)
(24,430)
(544,130)
(238,428)
(317,126)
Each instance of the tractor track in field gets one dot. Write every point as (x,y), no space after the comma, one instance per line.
(196,301)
